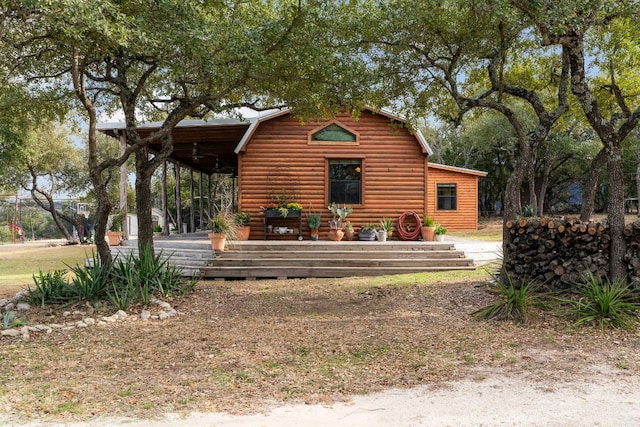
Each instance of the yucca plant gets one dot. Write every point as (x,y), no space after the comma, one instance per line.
(515,301)
(89,283)
(136,279)
(50,287)
(124,289)
(604,303)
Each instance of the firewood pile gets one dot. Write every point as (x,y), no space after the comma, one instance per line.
(632,255)
(558,252)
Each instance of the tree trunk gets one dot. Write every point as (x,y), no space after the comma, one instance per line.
(544,184)
(638,174)
(144,171)
(512,205)
(98,181)
(590,185)
(57,217)
(531,172)
(615,204)
(123,188)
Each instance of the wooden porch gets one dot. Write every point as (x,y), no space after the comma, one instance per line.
(297,259)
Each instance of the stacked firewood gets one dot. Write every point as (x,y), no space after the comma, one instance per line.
(558,252)
(632,255)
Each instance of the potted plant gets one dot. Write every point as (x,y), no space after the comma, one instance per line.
(157,230)
(367,232)
(440,232)
(222,228)
(335,224)
(242,220)
(114,235)
(313,221)
(173,229)
(428,229)
(349,232)
(386,225)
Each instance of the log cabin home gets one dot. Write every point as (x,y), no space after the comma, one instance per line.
(374,164)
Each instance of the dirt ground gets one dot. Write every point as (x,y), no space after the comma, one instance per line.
(245,347)
(250,352)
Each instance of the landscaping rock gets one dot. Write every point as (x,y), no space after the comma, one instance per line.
(23,306)
(10,333)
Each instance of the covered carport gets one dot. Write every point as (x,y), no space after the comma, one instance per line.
(203,148)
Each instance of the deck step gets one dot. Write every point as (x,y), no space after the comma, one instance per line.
(339,262)
(296,259)
(325,272)
(348,254)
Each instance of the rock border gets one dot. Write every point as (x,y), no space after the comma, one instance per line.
(15,304)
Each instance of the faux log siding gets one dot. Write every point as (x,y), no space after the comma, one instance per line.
(465,217)
(278,157)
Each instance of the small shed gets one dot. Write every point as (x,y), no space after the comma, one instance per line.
(452,196)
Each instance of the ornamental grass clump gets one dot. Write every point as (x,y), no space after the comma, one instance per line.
(515,301)
(604,303)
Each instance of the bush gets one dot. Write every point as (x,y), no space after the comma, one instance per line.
(515,301)
(604,303)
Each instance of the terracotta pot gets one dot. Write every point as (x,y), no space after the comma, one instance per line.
(114,238)
(348,235)
(428,233)
(218,241)
(335,234)
(242,233)
(314,233)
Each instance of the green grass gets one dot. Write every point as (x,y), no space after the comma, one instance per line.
(489,234)
(483,273)
(19,264)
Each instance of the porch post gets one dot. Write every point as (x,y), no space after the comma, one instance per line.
(123,188)
(192,212)
(178,197)
(201,203)
(209,197)
(165,213)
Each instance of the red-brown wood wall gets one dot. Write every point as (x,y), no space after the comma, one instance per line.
(465,217)
(279,157)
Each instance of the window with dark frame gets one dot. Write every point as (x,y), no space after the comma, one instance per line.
(345,181)
(447,197)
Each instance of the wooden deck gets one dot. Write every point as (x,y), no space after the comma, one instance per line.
(298,259)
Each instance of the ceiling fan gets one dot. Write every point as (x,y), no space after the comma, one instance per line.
(196,155)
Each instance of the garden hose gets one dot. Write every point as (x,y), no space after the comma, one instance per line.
(404,231)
